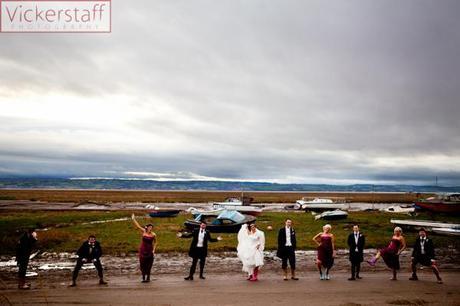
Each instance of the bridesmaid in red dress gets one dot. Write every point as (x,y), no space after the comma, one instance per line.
(326,251)
(146,249)
(390,254)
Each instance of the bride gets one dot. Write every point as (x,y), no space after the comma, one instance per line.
(251,243)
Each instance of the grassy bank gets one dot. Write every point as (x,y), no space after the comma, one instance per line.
(66,231)
(107,196)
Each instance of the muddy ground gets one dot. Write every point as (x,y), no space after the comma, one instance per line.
(232,289)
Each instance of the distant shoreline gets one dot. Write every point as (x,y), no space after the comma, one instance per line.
(199,196)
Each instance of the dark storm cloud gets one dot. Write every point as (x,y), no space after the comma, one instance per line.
(306,90)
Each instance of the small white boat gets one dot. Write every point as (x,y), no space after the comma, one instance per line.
(295,206)
(446,231)
(400,209)
(319,204)
(332,215)
(237,204)
(426,224)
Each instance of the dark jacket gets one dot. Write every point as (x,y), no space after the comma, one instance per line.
(282,249)
(356,255)
(429,248)
(87,251)
(193,252)
(24,247)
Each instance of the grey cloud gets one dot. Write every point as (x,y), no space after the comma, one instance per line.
(269,84)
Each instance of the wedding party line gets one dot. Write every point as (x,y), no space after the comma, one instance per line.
(250,248)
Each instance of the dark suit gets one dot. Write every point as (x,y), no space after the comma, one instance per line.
(23,250)
(424,259)
(286,252)
(356,252)
(88,253)
(199,252)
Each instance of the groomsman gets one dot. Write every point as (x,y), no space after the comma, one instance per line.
(423,253)
(89,252)
(286,248)
(199,249)
(23,250)
(356,241)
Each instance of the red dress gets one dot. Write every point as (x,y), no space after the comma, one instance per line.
(146,254)
(325,252)
(390,254)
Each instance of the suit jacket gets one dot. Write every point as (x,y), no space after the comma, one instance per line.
(24,247)
(282,249)
(356,255)
(429,248)
(193,252)
(85,251)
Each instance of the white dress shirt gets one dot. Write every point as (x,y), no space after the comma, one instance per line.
(422,245)
(356,240)
(288,236)
(201,238)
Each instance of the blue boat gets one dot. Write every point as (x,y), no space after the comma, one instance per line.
(164,213)
(228,221)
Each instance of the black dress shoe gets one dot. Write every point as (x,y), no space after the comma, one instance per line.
(189,278)
(294,278)
(202,277)
(358,277)
(352,279)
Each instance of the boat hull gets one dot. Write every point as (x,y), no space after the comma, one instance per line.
(164,213)
(439,207)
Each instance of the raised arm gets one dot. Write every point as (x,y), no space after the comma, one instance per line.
(137,223)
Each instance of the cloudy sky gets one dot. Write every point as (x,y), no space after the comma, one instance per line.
(286,91)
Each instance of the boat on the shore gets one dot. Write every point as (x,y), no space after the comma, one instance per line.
(295,206)
(447,231)
(442,203)
(426,224)
(237,205)
(205,212)
(319,204)
(398,209)
(228,221)
(164,213)
(332,215)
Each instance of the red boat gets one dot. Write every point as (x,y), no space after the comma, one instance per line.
(446,203)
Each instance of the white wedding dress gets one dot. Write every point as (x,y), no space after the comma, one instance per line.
(250,255)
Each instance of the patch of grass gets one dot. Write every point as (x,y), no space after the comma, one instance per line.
(122,237)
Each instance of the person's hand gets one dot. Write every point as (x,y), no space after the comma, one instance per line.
(34,234)
(412,258)
(94,260)
(84,260)
(433,262)
(334,253)
(132,216)
(219,238)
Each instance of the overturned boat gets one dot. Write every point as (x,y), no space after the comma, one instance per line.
(425,224)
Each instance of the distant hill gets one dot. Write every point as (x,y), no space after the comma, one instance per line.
(98,183)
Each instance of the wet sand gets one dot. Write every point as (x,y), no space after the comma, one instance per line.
(232,289)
